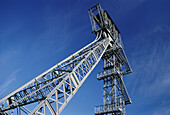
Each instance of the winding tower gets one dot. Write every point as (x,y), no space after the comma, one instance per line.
(116,65)
(51,91)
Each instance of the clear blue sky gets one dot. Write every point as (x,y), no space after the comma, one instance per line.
(37,34)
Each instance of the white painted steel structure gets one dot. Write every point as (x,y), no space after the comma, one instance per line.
(52,90)
(115,95)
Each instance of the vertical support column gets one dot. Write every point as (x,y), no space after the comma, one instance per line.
(44,109)
(57,106)
(18,111)
(104,92)
(64,93)
(112,91)
(107,95)
(115,91)
(124,108)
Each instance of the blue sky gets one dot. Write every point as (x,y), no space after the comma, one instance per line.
(37,34)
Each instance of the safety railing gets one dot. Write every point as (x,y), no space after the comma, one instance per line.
(108,108)
(108,72)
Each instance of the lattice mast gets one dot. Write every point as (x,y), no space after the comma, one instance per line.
(115,95)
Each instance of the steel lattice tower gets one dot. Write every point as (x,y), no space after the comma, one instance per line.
(115,95)
(50,92)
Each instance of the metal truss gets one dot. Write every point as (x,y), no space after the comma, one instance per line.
(54,88)
(115,95)
(50,92)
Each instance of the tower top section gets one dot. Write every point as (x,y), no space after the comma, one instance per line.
(100,19)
